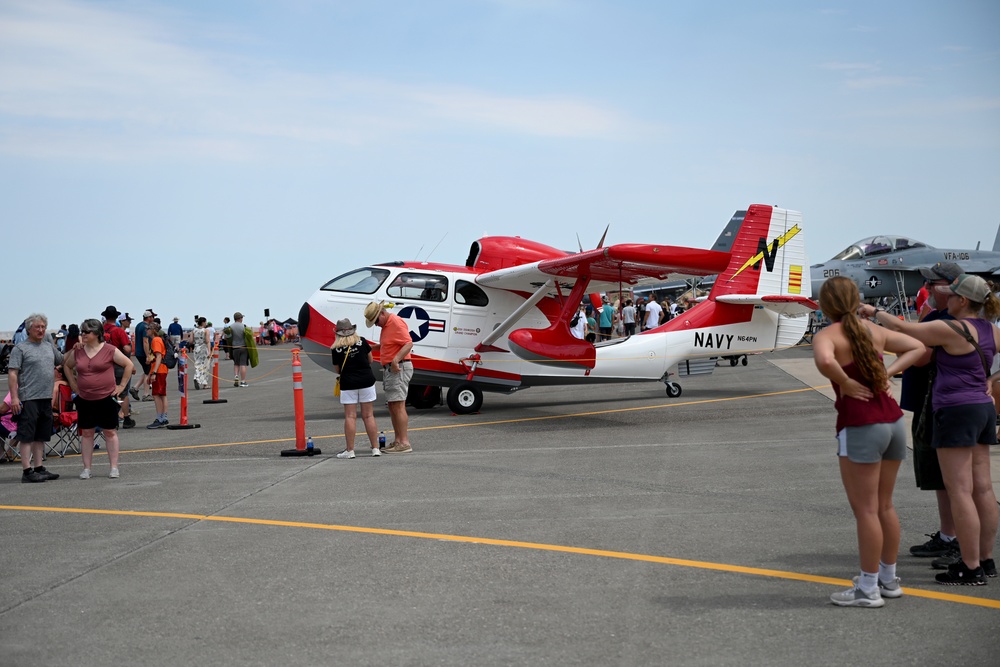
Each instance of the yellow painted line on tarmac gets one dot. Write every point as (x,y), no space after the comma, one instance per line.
(482,423)
(621,555)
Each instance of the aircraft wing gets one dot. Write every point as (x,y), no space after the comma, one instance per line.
(626,264)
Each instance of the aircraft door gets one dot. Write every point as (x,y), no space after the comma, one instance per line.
(422,303)
(469,311)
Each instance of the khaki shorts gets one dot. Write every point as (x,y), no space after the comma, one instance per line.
(396,385)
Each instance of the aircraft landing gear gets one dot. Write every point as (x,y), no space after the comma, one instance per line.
(673,389)
(465,398)
(424,397)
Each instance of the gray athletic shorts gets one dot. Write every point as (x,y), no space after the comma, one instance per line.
(396,385)
(873,443)
(241,357)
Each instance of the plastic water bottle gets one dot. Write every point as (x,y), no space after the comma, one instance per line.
(309,444)
(381,439)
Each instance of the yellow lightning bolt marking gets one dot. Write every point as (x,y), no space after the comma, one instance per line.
(782,240)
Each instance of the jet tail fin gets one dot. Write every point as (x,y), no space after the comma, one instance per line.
(996,243)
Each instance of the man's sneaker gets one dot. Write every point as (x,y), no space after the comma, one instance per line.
(989,567)
(949,559)
(128,422)
(157,424)
(134,391)
(855,597)
(398,448)
(49,476)
(933,547)
(114,473)
(244,384)
(376,451)
(889,589)
(85,474)
(29,476)
(959,574)
(346,454)
(236,383)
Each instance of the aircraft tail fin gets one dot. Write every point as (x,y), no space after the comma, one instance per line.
(767,262)
(996,243)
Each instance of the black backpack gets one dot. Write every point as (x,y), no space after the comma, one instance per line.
(170,357)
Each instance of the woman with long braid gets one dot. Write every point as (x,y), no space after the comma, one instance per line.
(871,434)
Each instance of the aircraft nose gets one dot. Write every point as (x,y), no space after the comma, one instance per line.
(304,320)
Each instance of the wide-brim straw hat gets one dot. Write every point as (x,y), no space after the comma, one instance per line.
(372,311)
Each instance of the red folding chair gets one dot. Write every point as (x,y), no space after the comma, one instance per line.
(67,435)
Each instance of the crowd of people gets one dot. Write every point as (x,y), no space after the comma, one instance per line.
(950,383)
(624,318)
(94,359)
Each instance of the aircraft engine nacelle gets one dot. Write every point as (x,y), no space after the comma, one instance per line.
(554,346)
(497,252)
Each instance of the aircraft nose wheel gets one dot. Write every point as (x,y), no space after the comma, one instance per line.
(465,398)
(673,389)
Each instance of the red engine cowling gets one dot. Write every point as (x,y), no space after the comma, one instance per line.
(497,252)
(554,346)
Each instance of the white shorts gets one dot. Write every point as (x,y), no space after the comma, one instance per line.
(355,396)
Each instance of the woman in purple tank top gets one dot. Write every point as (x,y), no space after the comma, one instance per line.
(871,436)
(964,418)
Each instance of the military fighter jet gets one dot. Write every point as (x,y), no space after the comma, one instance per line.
(889,266)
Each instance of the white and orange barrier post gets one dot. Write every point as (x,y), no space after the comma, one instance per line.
(300,412)
(215,379)
(182,376)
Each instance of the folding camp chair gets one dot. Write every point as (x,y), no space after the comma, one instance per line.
(67,435)
(10,452)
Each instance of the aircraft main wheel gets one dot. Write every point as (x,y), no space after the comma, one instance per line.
(673,389)
(424,397)
(733,361)
(465,398)
(744,362)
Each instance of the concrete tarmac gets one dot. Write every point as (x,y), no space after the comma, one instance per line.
(595,525)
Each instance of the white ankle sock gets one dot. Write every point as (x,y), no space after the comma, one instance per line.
(868,581)
(886,573)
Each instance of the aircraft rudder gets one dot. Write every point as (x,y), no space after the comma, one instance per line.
(768,255)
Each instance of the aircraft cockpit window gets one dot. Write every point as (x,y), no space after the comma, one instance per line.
(907,244)
(878,246)
(470,294)
(420,286)
(360,281)
(852,252)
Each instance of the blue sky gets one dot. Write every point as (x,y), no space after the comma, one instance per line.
(211,156)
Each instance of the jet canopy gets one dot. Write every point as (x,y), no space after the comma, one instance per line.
(878,245)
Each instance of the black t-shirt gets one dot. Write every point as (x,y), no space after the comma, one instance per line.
(355,371)
(916,379)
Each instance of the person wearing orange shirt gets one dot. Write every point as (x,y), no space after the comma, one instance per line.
(397,370)
(157,377)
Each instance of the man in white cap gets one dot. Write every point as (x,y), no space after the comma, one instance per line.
(397,370)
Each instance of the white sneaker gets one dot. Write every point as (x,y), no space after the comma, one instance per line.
(346,454)
(855,597)
(376,452)
(113,474)
(890,589)
(85,474)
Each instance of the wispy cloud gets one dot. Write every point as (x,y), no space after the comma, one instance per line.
(80,79)
(872,82)
(864,76)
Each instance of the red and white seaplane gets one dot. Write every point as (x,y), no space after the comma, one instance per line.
(501,322)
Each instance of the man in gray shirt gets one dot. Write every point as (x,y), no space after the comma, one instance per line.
(241,356)
(31,380)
